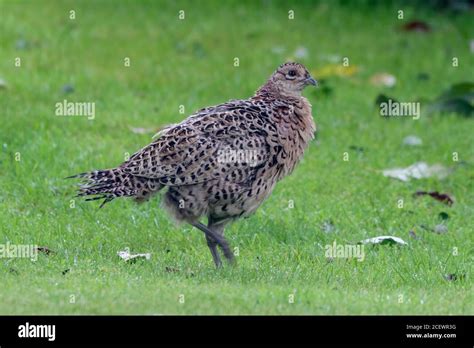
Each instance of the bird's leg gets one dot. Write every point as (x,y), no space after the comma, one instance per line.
(212,244)
(217,239)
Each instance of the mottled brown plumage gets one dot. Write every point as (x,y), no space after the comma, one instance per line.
(221,162)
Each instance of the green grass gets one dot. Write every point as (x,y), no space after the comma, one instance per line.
(281,250)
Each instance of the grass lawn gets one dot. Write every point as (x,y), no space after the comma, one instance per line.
(281,267)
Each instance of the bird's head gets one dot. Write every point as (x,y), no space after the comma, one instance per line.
(291,78)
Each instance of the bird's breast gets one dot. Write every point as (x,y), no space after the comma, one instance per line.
(295,128)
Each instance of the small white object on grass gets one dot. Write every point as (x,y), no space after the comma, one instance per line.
(412,140)
(384,240)
(383,79)
(418,170)
(125,255)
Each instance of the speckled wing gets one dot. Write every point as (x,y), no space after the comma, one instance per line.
(200,148)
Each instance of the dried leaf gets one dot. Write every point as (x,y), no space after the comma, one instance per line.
(418,170)
(442,197)
(384,240)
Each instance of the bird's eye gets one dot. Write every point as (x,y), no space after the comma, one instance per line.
(292,73)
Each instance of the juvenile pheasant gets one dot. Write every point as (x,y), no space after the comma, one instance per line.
(221,162)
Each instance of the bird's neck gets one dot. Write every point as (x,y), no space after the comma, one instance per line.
(270,89)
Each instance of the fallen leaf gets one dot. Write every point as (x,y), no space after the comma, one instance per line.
(384,240)
(383,80)
(442,197)
(412,140)
(417,26)
(418,170)
(125,255)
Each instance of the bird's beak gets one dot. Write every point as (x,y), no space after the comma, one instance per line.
(311,81)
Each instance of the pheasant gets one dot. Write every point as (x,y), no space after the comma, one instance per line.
(221,162)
